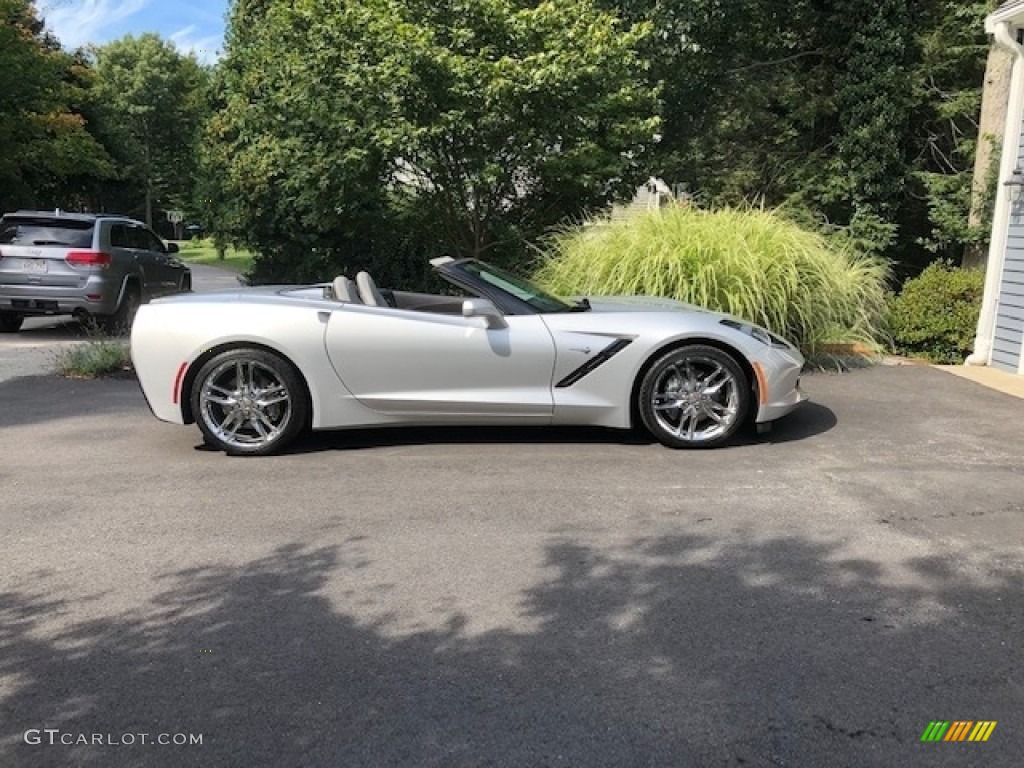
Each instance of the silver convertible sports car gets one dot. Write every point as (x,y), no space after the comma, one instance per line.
(253,367)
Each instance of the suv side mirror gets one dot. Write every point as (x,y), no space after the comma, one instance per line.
(172,247)
(493,319)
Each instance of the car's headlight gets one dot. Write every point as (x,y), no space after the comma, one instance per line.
(759,333)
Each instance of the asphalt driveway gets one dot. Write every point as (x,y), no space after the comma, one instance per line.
(515,598)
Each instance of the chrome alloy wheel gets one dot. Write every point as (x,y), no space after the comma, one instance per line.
(246,404)
(696,400)
(694,397)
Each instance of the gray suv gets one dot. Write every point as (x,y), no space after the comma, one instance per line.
(93,266)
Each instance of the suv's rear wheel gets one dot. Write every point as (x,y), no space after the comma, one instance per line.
(10,322)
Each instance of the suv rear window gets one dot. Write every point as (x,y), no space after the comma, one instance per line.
(37,231)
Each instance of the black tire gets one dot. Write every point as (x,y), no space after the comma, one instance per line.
(694,397)
(120,323)
(249,402)
(10,322)
(186,283)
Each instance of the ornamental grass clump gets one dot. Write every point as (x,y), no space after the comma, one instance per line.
(99,356)
(751,263)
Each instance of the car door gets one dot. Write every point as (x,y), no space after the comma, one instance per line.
(405,362)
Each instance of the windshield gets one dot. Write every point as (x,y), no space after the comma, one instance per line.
(36,231)
(522,289)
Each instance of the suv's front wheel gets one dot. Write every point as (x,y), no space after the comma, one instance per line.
(10,322)
(120,323)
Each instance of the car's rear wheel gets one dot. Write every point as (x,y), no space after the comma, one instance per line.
(10,322)
(249,402)
(694,397)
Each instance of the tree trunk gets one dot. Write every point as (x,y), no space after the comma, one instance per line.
(149,188)
(995,100)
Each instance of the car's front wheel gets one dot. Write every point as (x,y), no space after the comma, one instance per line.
(10,322)
(694,397)
(249,402)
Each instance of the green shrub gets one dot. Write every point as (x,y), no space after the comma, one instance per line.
(936,315)
(751,263)
(99,356)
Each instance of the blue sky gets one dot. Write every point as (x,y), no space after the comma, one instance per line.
(192,25)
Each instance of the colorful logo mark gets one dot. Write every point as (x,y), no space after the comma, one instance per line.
(958,730)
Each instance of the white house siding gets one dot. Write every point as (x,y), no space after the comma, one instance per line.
(1009,335)
(1009,323)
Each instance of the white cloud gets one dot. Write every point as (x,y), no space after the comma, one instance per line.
(206,48)
(77,22)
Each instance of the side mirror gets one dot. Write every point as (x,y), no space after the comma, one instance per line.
(493,319)
(172,247)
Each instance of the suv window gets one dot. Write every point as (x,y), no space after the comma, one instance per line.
(154,243)
(17,230)
(143,239)
(119,236)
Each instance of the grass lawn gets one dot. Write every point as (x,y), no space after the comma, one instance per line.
(203,252)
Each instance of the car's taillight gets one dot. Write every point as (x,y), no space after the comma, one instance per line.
(89,259)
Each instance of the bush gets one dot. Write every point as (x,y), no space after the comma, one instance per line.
(751,263)
(99,356)
(936,315)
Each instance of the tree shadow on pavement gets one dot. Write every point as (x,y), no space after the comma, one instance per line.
(33,400)
(671,651)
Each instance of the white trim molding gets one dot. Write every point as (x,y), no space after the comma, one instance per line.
(1012,12)
(1003,25)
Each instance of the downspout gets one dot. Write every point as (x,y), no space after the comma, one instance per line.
(1006,36)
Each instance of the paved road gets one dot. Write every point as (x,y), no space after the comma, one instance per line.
(516,598)
(32,350)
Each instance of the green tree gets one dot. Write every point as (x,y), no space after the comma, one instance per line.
(947,89)
(44,139)
(151,105)
(485,120)
(846,112)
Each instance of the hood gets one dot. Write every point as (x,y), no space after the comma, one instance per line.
(643,304)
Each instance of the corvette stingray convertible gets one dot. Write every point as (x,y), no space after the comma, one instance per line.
(254,367)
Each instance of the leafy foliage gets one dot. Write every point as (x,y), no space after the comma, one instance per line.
(936,314)
(150,104)
(947,101)
(473,124)
(751,263)
(44,141)
(379,133)
(863,114)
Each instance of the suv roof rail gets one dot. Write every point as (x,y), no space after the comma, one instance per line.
(58,213)
(74,215)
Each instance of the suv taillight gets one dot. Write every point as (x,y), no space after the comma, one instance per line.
(89,259)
